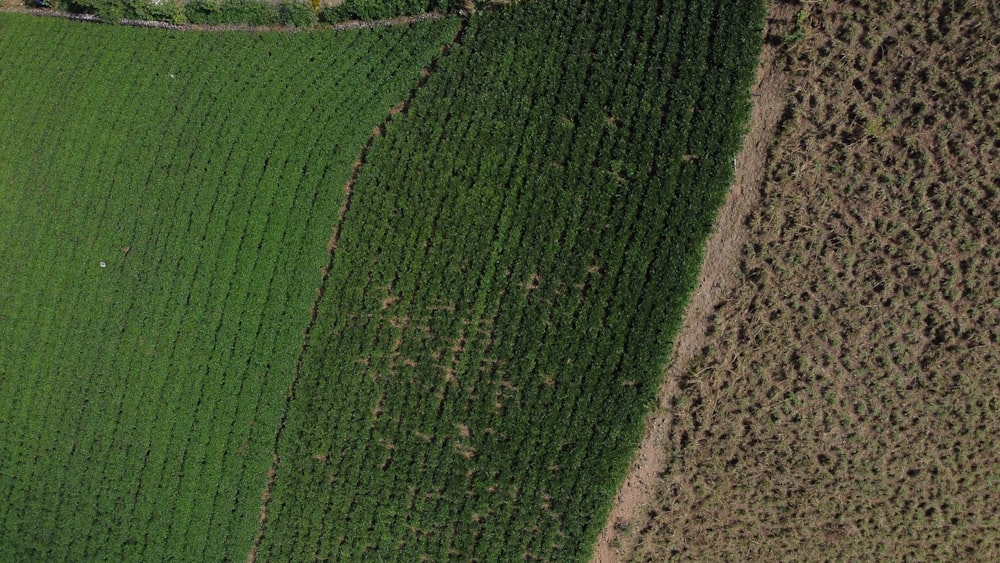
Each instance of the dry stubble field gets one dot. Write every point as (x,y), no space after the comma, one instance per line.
(843,400)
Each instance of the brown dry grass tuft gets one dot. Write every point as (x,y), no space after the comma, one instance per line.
(389,301)
(845,401)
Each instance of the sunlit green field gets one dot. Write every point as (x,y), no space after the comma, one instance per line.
(165,203)
(211,347)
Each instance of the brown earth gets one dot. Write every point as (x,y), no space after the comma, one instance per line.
(835,391)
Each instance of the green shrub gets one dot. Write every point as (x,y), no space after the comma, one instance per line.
(507,285)
(252,12)
(110,11)
(171,11)
(141,142)
(383,9)
(296,13)
(214,12)
(333,14)
(202,11)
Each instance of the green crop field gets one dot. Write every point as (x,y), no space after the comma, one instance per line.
(459,373)
(165,199)
(508,278)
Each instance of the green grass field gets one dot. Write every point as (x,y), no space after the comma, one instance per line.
(514,263)
(508,270)
(139,400)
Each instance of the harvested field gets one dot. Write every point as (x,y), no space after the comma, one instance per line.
(844,401)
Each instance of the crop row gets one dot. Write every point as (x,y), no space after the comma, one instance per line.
(169,240)
(507,282)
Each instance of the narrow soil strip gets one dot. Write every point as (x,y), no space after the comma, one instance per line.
(637,494)
(331,248)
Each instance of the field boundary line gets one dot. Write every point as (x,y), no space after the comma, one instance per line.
(342,26)
(331,248)
(637,494)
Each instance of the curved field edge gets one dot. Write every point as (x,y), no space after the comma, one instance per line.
(162,245)
(331,248)
(508,281)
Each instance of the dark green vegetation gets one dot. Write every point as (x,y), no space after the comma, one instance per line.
(512,267)
(506,274)
(251,12)
(296,13)
(379,9)
(139,399)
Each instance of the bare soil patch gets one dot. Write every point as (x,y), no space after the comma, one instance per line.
(841,401)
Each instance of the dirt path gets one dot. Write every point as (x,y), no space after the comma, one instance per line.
(638,493)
